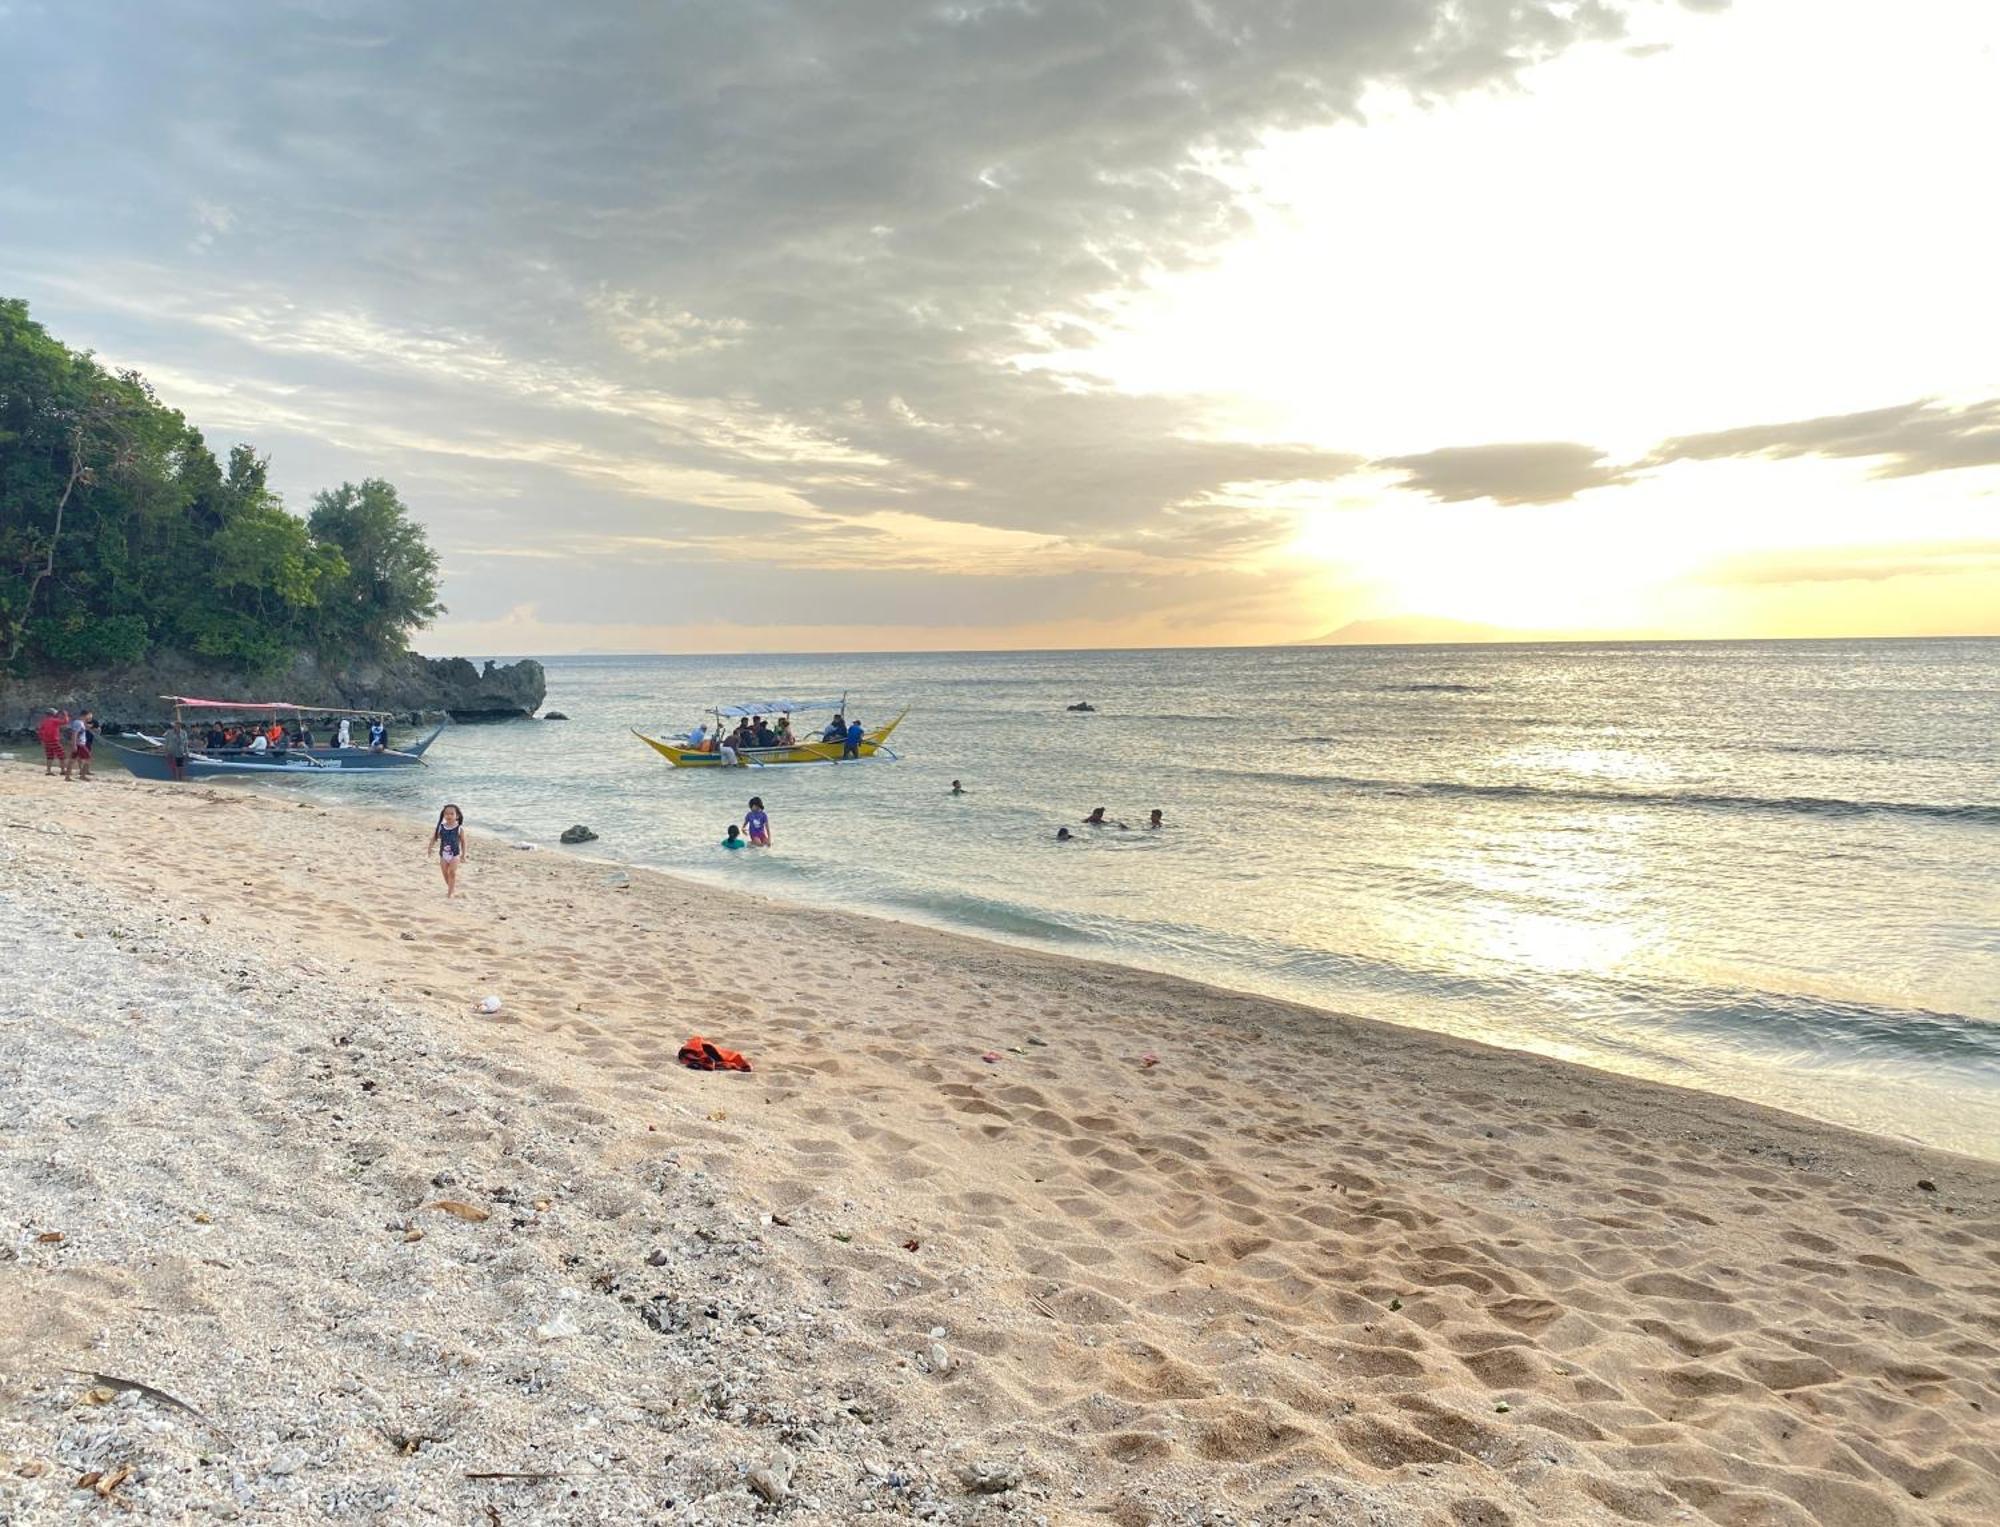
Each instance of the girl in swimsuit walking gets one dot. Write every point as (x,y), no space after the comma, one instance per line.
(448,839)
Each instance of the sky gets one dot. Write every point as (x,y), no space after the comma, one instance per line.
(781,325)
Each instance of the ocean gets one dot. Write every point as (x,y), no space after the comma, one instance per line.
(1765,869)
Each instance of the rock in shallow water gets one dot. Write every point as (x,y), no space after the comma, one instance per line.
(578,834)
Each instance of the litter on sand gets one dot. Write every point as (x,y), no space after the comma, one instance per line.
(489,1004)
(699,1055)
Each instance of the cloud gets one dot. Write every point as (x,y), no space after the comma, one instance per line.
(1859,564)
(625,269)
(1910,438)
(1541,472)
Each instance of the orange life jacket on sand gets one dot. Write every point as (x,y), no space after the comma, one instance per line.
(700,1055)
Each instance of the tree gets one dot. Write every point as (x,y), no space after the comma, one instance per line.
(121,534)
(390,587)
(65,426)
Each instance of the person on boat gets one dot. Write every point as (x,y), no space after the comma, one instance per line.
(1064,835)
(698,738)
(733,838)
(378,735)
(852,747)
(836,729)
(757,823)
(259,744)
(448,843)
(343,735)
(1156,820)
(782,737)
(303,737)
(50,735)
(176,748)
(217,739)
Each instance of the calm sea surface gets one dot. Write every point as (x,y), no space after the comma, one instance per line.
(1764,869)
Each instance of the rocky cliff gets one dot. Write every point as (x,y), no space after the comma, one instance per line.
(409,685)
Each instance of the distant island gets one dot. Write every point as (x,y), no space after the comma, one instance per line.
(134,563)
(1414,630)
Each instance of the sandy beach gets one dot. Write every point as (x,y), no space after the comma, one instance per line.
(1174,1255)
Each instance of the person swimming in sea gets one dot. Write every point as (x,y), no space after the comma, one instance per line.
(1064,835)
(1097,819)
(1156,820)
(733,838)
(448,843)
(957,788)
(757,823)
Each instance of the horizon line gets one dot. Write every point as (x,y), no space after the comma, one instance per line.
(1294,646)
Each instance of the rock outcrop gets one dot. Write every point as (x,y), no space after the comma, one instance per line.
(408,685)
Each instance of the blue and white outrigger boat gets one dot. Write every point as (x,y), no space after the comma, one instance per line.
(227,763)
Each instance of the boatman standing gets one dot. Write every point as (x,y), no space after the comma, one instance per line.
(177,750)
(853,745)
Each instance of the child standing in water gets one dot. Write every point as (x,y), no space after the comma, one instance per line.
(448,839)
(757,824)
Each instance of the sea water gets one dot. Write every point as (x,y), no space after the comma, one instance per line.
(1767,869)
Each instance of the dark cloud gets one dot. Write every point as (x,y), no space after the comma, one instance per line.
(1538,472)
(561,265)
(1905,440)
(1911,438)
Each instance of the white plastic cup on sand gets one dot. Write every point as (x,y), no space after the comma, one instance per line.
(489,1004)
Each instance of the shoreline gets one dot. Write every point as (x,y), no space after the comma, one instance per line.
(1308,1262)
(1675,1097)
(720,883)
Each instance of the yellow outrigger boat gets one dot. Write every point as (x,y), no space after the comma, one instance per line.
(706,753)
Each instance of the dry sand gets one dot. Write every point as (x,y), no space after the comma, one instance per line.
(1306,1268)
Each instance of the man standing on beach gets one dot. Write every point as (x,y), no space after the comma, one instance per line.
(177,750)
(78,753)
(51,731)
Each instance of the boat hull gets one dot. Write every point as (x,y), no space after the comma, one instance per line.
(358,757)
(681,757)
(203,766)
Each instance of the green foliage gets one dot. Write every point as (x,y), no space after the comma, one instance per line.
(389,580)
(122,535)
(81,643)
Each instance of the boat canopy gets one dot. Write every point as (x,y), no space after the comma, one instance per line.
(779,707)
(309,710)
